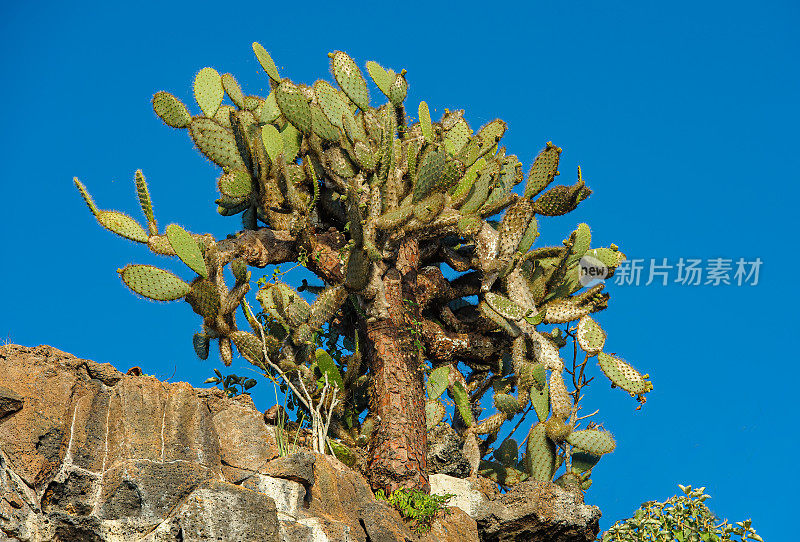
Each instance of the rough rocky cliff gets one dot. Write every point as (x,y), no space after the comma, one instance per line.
(88,453)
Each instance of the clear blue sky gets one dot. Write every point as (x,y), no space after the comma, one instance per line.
(683,116)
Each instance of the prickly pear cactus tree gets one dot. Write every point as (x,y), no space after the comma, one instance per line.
(394,216)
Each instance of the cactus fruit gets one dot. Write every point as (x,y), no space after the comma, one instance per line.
(623,375)
(543,170)
(540,454)
(208,91)
(153,283)
(434,413)
(187,250)
(171,110)
(591,336)
(592,441)
(350,79)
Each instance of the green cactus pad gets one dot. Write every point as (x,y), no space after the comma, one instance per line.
(268,112)
(187,250)
(593,441)
(294,106)
(429,208)
(200,343)
(383,78)
(159,244)
(394,219)
(273,142)
(86,196)
(504,306)
(430,170)
(208,91)
(326,305)
(530,236)
(591,336)
(623,375)
(583,461)
(531,375)
(457,137)
(122,225)
(233,90)
(291,143)
(434,414)
(240,273)
(461,398)
(322,126)
(560,399)
(507,453)
(236,184)
(350,79)
(438,381)
(582,239)
(399,90)
(327,366)
(249,346)
(487,311)
(480,190)
(171,110)
(540,454)
(490,425)
(144,201)
(333,104)
(543,170)
(561,199)
(540,399)
(610,257)
(266,62)
(204,298)
(491,133)
(462,189)
(153,283)
(512,228)
(425,122)
(507,404)
(216,143)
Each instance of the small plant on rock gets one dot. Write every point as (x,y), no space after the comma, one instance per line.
(417,506)
(682,518)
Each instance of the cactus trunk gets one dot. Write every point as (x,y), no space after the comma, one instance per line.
(398,444)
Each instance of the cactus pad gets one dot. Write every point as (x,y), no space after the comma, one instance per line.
(200,343)
(543,170)
(153,283)
(592,441)
(216,143)
(249,346)
(186,248)
(171,110)
(540,454)
(591,336)
(350,79)
(266,62)
(623,375)
(434,413)
(122,225)
(208,91)
(507,453)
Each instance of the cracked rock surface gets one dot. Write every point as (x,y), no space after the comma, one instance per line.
(89,453)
